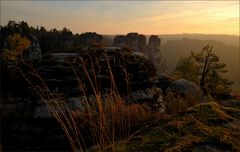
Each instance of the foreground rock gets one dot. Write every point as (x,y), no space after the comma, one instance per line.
(22,129)
(26,121)
(185,88)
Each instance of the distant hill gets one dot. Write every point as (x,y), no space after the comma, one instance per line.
(229,54)
(227,39)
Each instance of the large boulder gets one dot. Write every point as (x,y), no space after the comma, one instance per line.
(163,81)
(185,88)
(151,96)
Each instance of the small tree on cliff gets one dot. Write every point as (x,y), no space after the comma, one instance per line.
(205,67)
(16,45)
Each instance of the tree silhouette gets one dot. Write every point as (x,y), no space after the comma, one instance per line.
(16,45)
(205,67)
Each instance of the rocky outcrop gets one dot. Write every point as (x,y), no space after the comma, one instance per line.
(154,52)
(34,51)
(137,42)
(26,120)
(120,41)
(88,39)
(152,97)
(163,81)
(134,41)
(58,70)
(185,88)
(142,43)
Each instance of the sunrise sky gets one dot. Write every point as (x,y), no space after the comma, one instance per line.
(121,17)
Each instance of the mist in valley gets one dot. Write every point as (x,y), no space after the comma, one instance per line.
(174,49)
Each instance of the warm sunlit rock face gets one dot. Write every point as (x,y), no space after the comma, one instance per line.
(153,50)
(134,41)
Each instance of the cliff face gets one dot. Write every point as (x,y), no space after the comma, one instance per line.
(88,39)
(134,41)
(138,43)
(33,52)
(100,63)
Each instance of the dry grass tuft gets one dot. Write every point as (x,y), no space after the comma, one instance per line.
(103,121)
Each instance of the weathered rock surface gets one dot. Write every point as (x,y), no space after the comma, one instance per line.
(152,97)
(154,53)
(137,42)
(163,81)
(88,39)
(58,70)
(132,40)
(120,41)
(34,51)
(185,88)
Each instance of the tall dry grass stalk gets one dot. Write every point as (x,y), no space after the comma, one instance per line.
(107,117)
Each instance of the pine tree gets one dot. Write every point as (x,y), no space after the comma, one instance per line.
(205,67)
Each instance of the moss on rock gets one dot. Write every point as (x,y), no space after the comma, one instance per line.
(204,127)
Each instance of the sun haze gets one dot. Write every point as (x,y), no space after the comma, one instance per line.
(121,17)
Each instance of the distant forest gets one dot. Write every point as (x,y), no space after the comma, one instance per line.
(49,40)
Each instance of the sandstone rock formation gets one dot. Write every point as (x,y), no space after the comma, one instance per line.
(88,39)
(26,119)
(134,41)
(151,96)
(185,88)
(137,42)
(34,51)
(58,73)
(120,41)
(154,53)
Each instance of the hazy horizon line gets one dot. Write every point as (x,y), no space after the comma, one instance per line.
(183,33)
